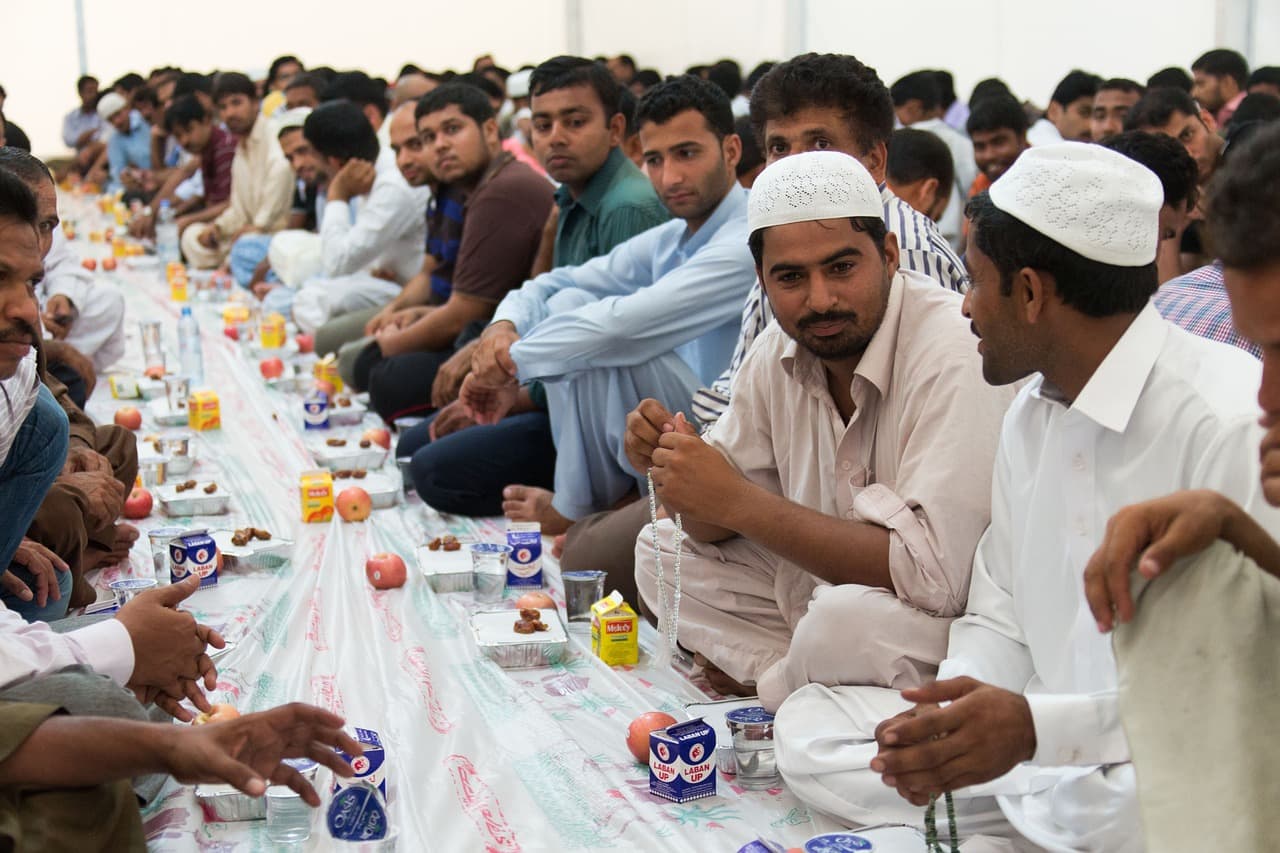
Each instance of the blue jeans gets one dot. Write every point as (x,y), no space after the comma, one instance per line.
(464,472)
(246,253)
(34,462)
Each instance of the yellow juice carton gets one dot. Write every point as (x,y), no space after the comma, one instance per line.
(234,315)
(316,491)
(271,332)
(172,269)
(203,410)
(326,369)
(615,631)
(178,288)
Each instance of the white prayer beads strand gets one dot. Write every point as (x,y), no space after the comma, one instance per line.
(668,615)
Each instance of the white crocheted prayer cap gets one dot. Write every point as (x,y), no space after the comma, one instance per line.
(110,104)
(518,84)
(288,119)
(1095,201)
(811,186)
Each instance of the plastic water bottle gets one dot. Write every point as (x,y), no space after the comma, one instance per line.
(288,817)
(190,357)
(166,235)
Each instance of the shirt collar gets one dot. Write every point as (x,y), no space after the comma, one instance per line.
(593,194)
(1113,391)
(876,365)
(136,121)
(733,204)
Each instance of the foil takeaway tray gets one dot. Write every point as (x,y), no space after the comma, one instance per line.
(498,641)
(224,804)
(193,501)
(446,571)
(349,456)
(256,554)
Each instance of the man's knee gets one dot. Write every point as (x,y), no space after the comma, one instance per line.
(82,692)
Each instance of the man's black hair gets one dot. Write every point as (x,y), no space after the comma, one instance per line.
(233,83)
(1091,287)
(1266,74)
(919,86)
(833,81)
(473,102)
(672,97)
(1076,85)
(872,226)
(190,83)
(561,72)
(1122,84)
(627,60)
(16,199)
(409,68)
(84,81)
(359,88)
(996,112)
(756,73)
(918,154)
(307,80)
(487,85)
(1165,156)
(697,71)
(1243,211)
(29,169)
(1224,63)
(726,74)
(129,82)
(627,103)
(1172,77)
(946,87)
(340,129)
(752,152)
(184,112)
(1157,107)
(281,61)
(647,77)
(988,88)
(1259,106)
(144,95)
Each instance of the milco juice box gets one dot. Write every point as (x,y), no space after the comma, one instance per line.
(370,768)
(524,565)
(203,410)
(194,552)
(316,493)
(615,631)
(682,761)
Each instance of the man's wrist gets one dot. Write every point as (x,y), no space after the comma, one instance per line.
(498,327)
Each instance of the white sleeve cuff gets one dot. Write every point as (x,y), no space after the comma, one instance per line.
(107,647)
(1077,729)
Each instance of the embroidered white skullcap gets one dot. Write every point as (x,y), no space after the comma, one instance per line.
(811,186)
(518,83)
(110,104)
(289,119)
(1095,201)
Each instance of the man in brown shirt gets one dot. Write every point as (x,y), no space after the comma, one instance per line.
(502,206)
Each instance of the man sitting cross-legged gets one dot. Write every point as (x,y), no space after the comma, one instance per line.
(842,492)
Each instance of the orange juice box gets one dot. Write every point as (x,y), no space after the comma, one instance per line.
(326,369)
(235,314)
(203,410)
(271,332)
(615,631)
(316,491)
(178,288)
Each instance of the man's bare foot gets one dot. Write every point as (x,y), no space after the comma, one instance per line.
(721,683)
(529,503)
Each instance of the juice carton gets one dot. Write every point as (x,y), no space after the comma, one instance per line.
(271,332)
(315,410)
(370,768)
(178,288)
(615,631)
(234,315)
(682,763)
(524,565)
(124,387)
(316,490)
(326,369)
(203,411)
(194,552)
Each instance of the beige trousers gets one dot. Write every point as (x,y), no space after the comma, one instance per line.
(762,619)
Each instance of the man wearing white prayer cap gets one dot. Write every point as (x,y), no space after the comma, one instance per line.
(1122,406)
(833,510)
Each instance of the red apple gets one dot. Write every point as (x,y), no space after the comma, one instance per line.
(638,732)
(138,504)
(535,601)
(155,371)
(306,343)
(129,417)
(326,386)
(353,504)
(90,264)
(271,368)
(385,571)
(109,235)
(231,332)
(378,436)
(108,264)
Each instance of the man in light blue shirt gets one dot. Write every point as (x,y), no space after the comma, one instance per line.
(656,317)
(130,143)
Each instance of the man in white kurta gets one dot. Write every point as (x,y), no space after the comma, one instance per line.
(1162,410)
(261,193)
(97,305)
(904,462)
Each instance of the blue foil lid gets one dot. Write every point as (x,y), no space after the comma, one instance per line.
(302,765)
(837,842)
(755,714)
(357,813)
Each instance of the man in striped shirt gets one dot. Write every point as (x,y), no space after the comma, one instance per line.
(813,102)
